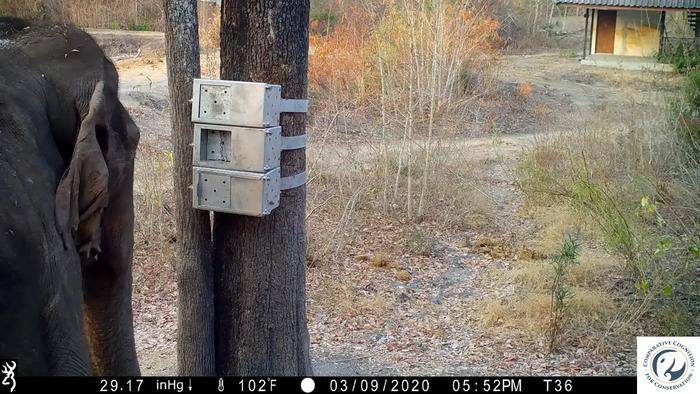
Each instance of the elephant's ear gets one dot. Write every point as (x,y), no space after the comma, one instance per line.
(82,193)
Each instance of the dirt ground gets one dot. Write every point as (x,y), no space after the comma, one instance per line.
(365,320)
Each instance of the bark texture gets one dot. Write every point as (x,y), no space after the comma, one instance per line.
(260,263)
(195,340)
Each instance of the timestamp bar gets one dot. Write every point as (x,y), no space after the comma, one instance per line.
(332,385)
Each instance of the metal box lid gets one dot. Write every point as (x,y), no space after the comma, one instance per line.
(244,193)
(234,103)
(237,148)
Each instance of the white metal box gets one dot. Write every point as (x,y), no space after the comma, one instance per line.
(237,148)
(244,193)
(233,103)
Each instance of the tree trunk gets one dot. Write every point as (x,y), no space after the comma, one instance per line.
(260,263)
(195,341)
(136,11)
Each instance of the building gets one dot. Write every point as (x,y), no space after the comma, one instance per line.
(631,33)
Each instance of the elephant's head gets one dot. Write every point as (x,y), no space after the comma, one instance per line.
(94,133)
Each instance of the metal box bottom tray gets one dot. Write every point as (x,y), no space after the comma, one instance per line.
(239,192)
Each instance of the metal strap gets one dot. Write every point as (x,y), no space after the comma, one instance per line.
(294,105)
(294,142)
(292,182)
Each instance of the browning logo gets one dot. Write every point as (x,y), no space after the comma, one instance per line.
(7,368)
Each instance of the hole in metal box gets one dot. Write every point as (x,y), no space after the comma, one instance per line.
(215,145)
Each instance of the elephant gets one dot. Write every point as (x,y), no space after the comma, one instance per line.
(67,150)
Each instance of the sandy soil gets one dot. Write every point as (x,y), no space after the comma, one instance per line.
(427,325)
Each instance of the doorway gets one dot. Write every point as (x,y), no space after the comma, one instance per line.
(605,32)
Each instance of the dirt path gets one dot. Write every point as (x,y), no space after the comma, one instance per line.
(364,321)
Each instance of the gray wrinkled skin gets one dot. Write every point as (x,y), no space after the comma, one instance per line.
(67,148)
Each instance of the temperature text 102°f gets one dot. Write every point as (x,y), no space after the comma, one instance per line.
(267,385)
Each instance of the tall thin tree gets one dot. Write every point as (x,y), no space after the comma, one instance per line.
(260,263)
(433,90)
(195,341)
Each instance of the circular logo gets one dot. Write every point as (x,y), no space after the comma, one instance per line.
(669,364)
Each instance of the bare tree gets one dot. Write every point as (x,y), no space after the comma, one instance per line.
(260,263)
(195,342)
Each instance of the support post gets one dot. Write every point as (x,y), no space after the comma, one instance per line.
(662,31)
(585,35)
(593,16)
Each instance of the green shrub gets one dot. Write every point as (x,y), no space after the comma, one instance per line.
(323,19)
(691,90)
(674,319)
(139,27)
(687,111)
(561,292)
(684,58)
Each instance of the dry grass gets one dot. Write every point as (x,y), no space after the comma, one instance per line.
(403,276)
(380,260)
(209,37)
(153,201)
(209,29)
(594,270)
(155,286)
(541,110)
(346,194)
(528,310)
(525,90)
(554,221)
(351,303)
(105,14)
(629,181)
(535,276)
(529,313)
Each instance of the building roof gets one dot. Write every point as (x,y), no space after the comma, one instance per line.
(660,4)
